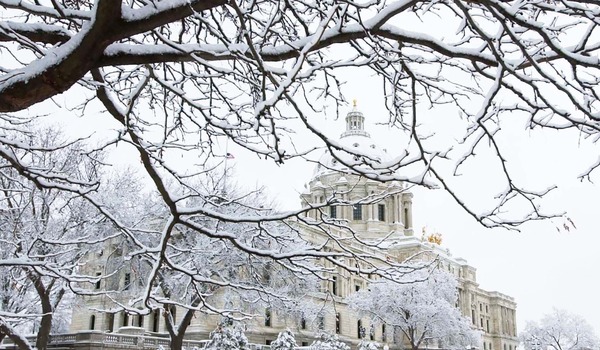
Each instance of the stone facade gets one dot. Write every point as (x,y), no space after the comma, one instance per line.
(369,209)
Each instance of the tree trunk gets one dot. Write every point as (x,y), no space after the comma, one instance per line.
(43,336)
(177,341)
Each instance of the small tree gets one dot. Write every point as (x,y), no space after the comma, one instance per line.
(560,330)
(328,341)
(227,337)
(285,341)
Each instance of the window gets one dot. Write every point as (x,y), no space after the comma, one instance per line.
(304,343)
(268,317)
(487,325)
(155,320)
(481,322)
(110,322)
(357,212)
(337,323)
(268,342)
(127,282)
(480,307)
(173,312)
(473,316)
(321,322)
(406,223)
(334,286)
(333,212)
(371,333)
(125,319)
(383,335)
(486,309)
(381,212)
(302,323)
(267,273)
(359,329)
(484,346)
(98,274)
(92,322)
(356,288)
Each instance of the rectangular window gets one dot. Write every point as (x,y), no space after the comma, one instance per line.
(333,212)
(473,316)
(381,212)
(357,212)
(487,324)
(127,282)
(337,323)
(268,317)
(359,329)
(383,335)
(302,323)
(110,322)
(98,274)
(356,288)
(155,320)
(321,322)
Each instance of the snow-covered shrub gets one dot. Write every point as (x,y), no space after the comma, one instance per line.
(329,342)
(285,341)
(367,345)
(227,337)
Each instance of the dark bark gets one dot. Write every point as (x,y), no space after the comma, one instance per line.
(43,336)
(29,87)
(178,334)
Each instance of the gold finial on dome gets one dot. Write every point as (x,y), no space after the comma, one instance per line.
(354,102)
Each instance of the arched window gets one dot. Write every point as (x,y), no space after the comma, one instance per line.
(92,322)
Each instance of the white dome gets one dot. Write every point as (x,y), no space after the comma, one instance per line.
(365,152)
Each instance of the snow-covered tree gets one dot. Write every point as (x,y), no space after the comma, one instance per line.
(421,304)
(228,337)
(172,80)
(285,341)
(559,330)
(44,235)
(328,341)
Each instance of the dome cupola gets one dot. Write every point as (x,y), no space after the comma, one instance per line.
(355,123)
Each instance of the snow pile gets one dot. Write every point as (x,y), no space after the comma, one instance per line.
(367,345)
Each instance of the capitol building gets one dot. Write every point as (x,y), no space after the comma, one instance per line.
(378,211)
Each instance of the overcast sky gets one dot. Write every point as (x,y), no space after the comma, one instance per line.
(542,266)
